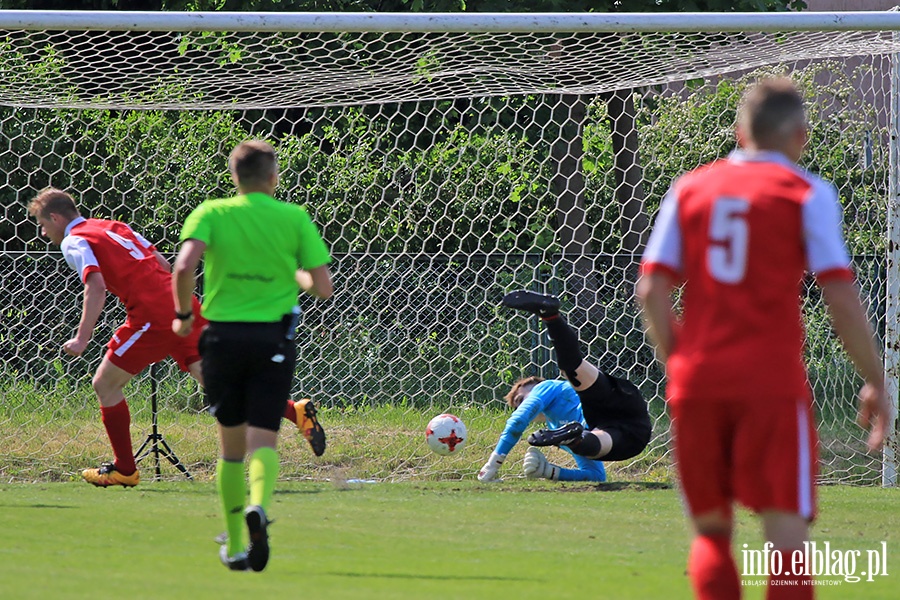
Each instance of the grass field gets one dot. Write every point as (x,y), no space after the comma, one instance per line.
(514,539)
(64,434)
(51,433)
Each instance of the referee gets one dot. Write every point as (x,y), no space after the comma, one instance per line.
(258,253)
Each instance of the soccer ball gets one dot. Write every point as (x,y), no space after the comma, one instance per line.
(446,434)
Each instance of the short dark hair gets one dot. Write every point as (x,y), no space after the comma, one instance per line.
(51,200)
(530,380)
(771,109)
(253,162)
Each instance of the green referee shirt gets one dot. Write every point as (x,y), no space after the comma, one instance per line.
(254,244)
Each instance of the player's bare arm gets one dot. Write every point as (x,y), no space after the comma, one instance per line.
(654,294)
(92,306)
(316,281)
(852,326)
(183,282)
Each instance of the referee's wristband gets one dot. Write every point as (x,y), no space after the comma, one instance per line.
(185,315)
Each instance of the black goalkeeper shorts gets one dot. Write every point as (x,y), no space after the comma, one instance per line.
(243,383)
(617,407)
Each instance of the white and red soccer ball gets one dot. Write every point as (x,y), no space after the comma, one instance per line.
(446,434)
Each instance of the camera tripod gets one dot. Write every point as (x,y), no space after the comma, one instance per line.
(155,444)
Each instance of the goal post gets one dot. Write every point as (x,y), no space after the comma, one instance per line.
(892,316)
(447,158)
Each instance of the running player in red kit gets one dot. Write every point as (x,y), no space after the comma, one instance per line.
(109,255)
(740,234)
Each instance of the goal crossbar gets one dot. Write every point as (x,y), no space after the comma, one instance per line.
(78,20)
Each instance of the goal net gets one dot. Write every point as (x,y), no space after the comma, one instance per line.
(447,160)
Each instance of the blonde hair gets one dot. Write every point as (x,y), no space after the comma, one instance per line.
(52,201)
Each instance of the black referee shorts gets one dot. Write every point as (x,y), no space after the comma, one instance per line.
(242,382)
(617,407)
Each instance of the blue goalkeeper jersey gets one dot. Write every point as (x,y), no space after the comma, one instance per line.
(558,401)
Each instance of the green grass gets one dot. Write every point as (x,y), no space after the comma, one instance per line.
(50,434)
(515,539)
(64,434)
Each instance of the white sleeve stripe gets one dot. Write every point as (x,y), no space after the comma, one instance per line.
(825,248)
(78,254)
(664,245)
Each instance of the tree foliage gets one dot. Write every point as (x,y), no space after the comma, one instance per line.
(843,130)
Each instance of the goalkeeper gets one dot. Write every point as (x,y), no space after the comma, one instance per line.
(592,415)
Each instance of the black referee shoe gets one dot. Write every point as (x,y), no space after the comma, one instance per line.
(542,305)
(234,563)
(258,550)
(565,435)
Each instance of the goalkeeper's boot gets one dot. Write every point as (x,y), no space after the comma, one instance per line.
(565,435)
(536,466)
(309,425)
(107,475)
(542,305)
(238,562)
(258,550)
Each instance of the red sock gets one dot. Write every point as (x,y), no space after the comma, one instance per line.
(712,570)
(117,420)
(289,413)
(788,586)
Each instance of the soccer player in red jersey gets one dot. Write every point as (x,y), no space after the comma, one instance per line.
(740,234)
(109,255)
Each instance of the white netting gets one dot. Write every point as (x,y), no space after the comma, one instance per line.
(213,70)
(444,170)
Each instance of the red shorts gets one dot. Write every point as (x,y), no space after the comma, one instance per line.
(132,349)
(763,455)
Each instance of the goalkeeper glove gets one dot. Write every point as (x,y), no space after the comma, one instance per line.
(489,471)
(536,466)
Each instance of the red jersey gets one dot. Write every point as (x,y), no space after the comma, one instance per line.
(741,233)
(128,265)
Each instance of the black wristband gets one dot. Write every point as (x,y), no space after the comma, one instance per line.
(184,316)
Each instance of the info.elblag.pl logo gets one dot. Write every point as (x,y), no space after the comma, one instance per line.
(818,560)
